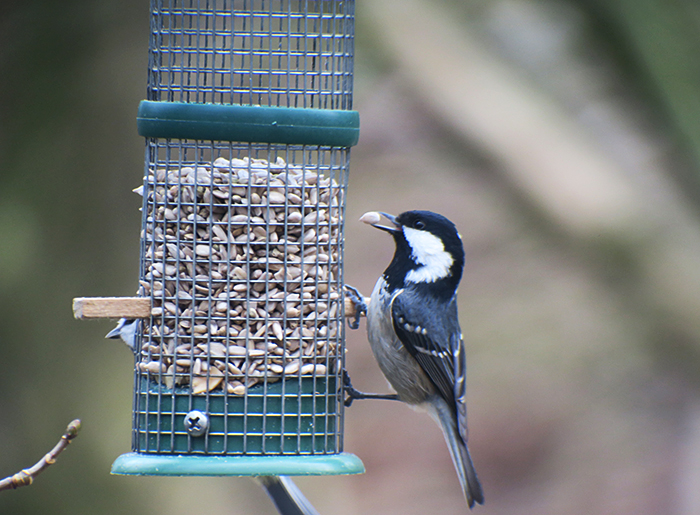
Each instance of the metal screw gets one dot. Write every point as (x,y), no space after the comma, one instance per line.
(196,423)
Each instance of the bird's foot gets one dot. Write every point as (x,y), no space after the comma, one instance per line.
(358,302)
(352,394)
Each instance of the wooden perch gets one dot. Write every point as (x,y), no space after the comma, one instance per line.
(135,307)
(350,307)
(111,307)
(26,477)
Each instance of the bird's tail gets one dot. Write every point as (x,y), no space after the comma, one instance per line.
(460,454)
(286,495)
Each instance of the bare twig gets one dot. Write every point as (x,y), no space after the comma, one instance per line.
(26,476)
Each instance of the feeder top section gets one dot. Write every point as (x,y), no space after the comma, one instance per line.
(255,52)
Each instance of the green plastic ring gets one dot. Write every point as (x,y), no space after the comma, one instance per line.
(251,124)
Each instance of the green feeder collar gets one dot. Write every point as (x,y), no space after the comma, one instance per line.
(251,124)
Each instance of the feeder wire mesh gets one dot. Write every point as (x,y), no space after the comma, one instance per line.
(293,53)
(246,290)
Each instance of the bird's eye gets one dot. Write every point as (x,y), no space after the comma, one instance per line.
(419,224)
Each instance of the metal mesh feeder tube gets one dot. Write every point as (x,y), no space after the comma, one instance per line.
(238,367)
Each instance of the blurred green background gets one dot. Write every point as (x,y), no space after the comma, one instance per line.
(563,139)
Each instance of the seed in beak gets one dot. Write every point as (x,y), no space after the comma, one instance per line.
(374,217)
(371,218)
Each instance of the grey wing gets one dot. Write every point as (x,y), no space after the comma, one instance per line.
(460,384)
(430,342)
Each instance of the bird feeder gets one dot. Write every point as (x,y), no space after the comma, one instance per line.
(240,347)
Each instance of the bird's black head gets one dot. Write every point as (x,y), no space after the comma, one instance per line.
(429,252)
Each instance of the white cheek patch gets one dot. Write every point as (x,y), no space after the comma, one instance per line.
(429,252)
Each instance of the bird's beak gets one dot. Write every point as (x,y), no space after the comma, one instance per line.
(116,332)
(374,217)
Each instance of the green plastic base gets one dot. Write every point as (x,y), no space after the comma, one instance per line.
(285,465)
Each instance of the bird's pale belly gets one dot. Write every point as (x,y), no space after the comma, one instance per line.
(400,368)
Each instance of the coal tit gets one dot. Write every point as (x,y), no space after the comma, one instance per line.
(414,332)
(126,330)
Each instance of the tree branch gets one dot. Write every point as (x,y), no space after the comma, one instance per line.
(26,477)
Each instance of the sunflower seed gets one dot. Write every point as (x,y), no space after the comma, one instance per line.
(223,265)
